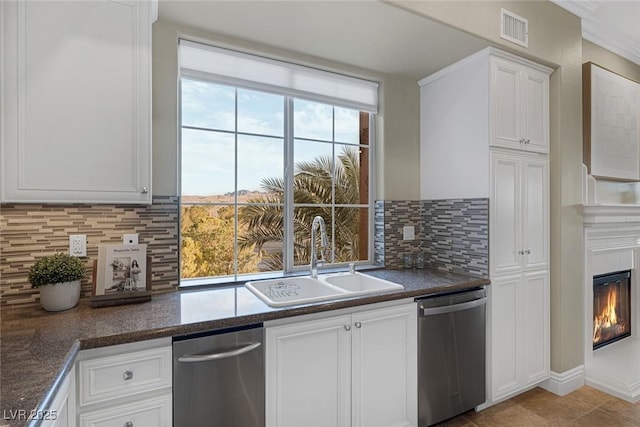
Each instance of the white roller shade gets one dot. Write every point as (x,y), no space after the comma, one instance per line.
(197,59)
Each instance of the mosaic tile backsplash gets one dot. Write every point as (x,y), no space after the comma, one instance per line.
(29,231)
(453,234)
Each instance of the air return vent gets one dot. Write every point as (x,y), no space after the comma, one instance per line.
(514,28)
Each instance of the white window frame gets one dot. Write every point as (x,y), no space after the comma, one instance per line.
(288,139)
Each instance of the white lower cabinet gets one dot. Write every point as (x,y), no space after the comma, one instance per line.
(62,412)
(518,332)
(127,385)
(356,369)
(153,412)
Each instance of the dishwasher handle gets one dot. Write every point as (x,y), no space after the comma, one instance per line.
(194,358)
(431,311)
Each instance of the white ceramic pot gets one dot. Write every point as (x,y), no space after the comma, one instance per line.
(61,296)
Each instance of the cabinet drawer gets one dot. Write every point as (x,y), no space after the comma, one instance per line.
(124,375)
(154,412)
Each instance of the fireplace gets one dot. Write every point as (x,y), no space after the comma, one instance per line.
(611,307)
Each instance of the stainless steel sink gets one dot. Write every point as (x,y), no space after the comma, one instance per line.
(291,291)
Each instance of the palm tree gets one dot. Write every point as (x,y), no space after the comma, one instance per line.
(313,184)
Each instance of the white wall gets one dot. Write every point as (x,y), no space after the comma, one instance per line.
(397,152)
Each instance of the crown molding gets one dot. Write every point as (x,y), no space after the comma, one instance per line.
(610,39)
(599,33)
(579,8)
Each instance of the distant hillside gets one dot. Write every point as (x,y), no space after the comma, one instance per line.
(243,196)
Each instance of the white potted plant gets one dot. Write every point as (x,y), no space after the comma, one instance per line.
(58,278)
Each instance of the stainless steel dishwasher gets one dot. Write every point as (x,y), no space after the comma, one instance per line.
(218,379)
(451,354)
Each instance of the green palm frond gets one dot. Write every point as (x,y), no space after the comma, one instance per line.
(315,182)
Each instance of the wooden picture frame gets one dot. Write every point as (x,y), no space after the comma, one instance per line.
(130,297)
(611,124)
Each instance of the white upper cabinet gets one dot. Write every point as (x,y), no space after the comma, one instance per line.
(489,100)
(76,94)
(519,106)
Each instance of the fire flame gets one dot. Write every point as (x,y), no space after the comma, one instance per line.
(607,318)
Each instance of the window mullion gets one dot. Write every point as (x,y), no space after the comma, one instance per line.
(333,186)
(288,208)
(235,191)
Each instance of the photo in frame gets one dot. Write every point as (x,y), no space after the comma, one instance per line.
(121,270)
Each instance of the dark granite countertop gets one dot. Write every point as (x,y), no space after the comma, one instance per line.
(38,348)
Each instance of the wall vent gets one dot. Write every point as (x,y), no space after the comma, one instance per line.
(514,28)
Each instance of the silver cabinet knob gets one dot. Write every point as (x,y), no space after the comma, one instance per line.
(347,327)
(528,251)
(127,375)
(144,190)
(128,424)
(358,325)
(520,252)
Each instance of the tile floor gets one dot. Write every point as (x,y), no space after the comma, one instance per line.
(586,407)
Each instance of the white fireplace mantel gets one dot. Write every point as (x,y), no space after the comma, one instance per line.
(610,214)
(612,243)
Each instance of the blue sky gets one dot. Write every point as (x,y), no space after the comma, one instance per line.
(208,157)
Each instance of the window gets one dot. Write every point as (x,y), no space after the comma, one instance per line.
(257,166)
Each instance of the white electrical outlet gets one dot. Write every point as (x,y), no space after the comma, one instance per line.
(130,239)
(408,232)
(78,244)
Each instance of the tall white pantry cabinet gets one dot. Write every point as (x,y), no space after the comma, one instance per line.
(75,101)
(484,129)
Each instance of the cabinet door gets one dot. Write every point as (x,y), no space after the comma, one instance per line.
(519,107)
(505,216)
(535,116)
(77,87)
(506,104)
(308,374)
(384,367)
(535,213)
(504,336)
(535,327)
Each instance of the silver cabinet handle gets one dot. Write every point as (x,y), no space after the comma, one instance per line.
(144,190)
(521,141)
(347,327)
(217,356)
(528,251)
(358,325)
(128,424)
(127,375)
(520,252)
(527,141)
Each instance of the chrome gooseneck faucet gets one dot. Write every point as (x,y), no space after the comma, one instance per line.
(318,222)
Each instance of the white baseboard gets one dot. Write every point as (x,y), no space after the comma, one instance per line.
(565,382)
